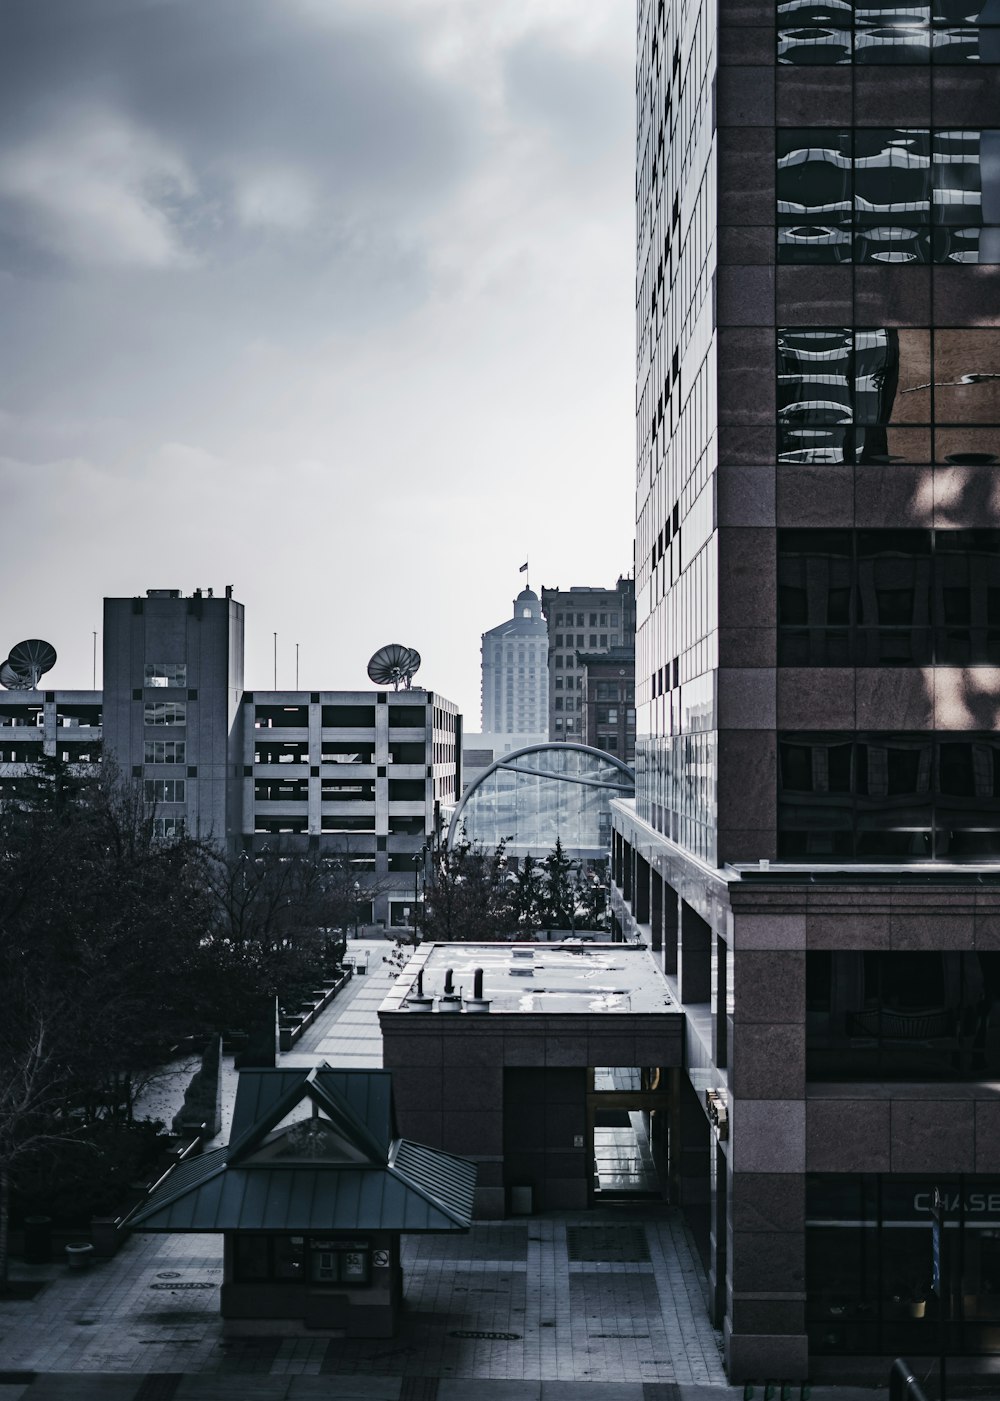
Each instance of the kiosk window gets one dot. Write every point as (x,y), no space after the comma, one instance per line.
(339,1262)
(252,1257)
(289,1257)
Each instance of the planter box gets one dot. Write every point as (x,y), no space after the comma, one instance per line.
(292,1027)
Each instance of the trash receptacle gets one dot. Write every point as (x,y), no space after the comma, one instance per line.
(37,1240)
(79,1255)
(522,1200)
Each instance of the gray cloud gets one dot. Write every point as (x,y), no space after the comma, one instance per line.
(576,96)
(277,273)
(161,134)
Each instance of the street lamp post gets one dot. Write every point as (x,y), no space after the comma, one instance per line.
(418,861)
(357,896)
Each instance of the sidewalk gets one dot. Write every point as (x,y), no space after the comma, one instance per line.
(583,1298)
(347,1034)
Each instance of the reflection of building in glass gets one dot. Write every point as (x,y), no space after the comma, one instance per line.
(946,32)
(879,395)
(888,797)
(875,1014)
(876,195)
(889,598)
(537,795)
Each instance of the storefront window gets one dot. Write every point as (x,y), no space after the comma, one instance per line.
(870,1265)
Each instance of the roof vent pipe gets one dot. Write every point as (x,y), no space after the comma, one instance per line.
(418,1001)
(450,1000)
(477,1002)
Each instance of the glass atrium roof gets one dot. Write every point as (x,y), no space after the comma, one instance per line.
(531,797)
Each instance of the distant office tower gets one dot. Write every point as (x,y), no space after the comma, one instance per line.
(814,847)
(608,704)
(515,672)
(582,619)
(173,679)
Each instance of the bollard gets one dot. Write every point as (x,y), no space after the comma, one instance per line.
(903,1385)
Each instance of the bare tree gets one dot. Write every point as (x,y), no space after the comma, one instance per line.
(34,1077)
(469,896)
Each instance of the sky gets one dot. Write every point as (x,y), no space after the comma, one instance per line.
(330,300)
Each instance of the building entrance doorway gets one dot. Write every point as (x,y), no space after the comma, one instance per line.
(628,1129)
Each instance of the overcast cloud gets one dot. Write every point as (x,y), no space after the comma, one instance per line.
(327,299)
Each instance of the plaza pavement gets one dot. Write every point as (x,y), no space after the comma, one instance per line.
(602,1306)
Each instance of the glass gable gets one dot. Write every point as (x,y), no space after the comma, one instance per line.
(536,795)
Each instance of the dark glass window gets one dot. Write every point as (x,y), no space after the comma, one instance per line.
(902,1016)
(883,797)
(814,394)
(889,597)
(892,196)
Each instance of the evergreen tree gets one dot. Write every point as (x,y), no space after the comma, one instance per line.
(591,901)
(529,896)
(559,884)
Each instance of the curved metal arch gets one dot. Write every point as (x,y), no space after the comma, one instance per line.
(507,762)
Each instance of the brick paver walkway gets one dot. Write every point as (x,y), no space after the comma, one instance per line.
(154,1309)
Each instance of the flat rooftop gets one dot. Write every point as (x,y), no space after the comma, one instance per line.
(536,978)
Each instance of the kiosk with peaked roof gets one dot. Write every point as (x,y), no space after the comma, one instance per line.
(311,1195)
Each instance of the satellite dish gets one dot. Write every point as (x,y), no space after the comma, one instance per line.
(31,660)
(14,680)
(395,665)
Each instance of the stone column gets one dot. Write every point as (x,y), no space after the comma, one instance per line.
(765,1323)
